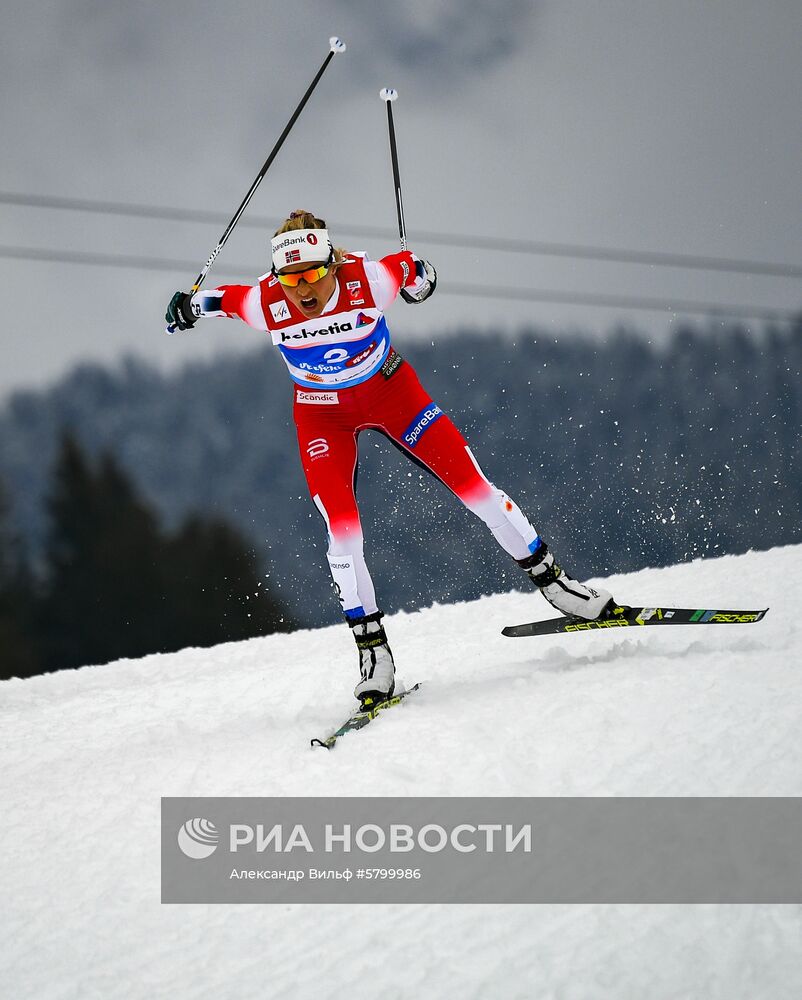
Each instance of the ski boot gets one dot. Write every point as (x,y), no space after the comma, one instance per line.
(566,595)
(376,664)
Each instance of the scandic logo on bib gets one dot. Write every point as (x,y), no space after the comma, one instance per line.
(326,398)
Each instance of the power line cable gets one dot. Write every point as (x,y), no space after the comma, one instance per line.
(546,296)
(642,303)
(460,240)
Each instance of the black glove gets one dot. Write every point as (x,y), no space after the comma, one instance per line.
(424,270)
(179,312)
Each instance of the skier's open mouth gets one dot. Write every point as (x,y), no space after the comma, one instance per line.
(309,303)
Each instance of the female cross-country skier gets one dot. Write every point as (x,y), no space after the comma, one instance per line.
(324,309)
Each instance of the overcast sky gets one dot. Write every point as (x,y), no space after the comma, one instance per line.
(637,124)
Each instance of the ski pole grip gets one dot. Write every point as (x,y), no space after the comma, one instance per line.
(336,44)
(388,94)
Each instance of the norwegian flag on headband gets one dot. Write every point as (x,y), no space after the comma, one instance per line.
(299,245)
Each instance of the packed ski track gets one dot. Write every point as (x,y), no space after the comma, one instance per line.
(704,711)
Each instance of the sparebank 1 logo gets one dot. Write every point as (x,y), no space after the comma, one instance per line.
(198,838)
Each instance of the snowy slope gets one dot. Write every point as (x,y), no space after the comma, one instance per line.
(87,754)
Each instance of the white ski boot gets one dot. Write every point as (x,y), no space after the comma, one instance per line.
(566,595)
(376,663)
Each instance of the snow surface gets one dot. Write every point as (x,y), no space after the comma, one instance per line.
(87,754)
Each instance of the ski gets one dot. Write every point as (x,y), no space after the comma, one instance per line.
(624,617)
(362,717)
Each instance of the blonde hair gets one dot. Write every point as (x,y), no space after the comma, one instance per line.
(301,219)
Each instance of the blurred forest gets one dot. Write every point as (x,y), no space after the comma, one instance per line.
(132,497)
(115,585)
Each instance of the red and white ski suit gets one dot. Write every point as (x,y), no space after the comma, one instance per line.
(348,379)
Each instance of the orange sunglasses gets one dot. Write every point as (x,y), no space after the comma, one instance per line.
(310,277)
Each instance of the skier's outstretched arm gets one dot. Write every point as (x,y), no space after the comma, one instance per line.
(235,301)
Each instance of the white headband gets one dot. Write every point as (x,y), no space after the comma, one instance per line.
(300,245)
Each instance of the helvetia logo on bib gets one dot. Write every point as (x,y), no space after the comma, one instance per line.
(198,838)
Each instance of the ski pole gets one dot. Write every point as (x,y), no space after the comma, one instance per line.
(335,46)
(388,95)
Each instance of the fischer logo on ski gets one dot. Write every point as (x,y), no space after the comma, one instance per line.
(582,624)
(362,717)
(624,617)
